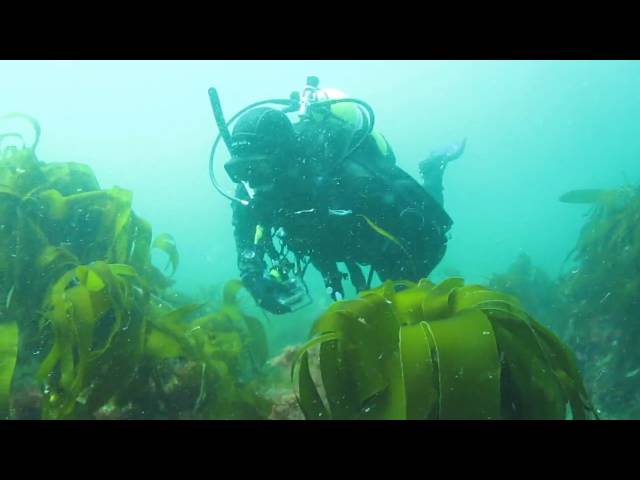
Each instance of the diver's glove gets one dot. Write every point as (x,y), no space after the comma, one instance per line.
(438,159)
(267,293)
(450,152)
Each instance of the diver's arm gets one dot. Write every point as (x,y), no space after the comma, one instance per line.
(250,256)
(448,153)
(265,290)
(432,168)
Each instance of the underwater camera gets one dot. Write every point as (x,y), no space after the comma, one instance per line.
(296,294)
(297,297)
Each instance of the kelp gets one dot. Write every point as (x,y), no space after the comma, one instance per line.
(100,362)
(101,334)
(98,329)
(603,288)
(167,244)
(226,345)
(542,296)
(609,243)
(8,355)
(85,312)
(426,351)
(45,231)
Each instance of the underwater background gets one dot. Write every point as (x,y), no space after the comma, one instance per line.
(535,130)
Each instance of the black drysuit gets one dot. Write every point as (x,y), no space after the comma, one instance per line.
(364,211)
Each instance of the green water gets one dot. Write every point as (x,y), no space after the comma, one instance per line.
(535,130)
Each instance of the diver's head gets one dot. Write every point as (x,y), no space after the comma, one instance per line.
(262,144)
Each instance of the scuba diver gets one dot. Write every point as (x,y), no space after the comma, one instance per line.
(325,190)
